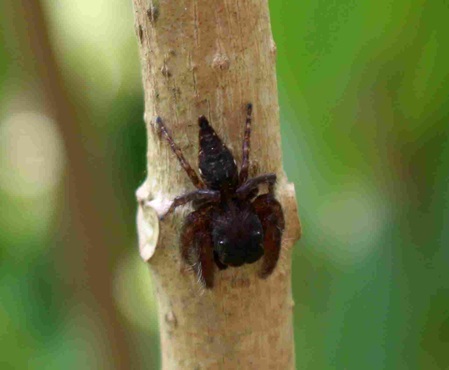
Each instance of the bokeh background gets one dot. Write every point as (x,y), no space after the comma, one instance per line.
(364,111)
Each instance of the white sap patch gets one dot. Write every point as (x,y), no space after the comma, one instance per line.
(148,231)
(148,220)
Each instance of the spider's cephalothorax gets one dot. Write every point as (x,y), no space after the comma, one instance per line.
(231,225)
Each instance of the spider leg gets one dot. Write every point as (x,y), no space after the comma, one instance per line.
(252,184)
(203,195)
(246,145)
(197,245)
(271,216)
(187,167)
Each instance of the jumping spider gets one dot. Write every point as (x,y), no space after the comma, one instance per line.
(231,225)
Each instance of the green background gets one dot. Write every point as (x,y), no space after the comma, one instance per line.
(364,114)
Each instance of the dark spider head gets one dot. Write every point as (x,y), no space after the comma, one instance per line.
(217,166)
(237,235)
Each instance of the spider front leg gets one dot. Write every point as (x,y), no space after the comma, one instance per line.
(246,145)
(271,216)
(201,195)
(186,165)
(197,245)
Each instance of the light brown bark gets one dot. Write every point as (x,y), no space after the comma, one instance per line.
(212,57)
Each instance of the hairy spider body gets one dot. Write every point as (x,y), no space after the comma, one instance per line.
(231,225)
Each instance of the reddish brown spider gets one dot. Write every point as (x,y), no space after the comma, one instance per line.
(231,225)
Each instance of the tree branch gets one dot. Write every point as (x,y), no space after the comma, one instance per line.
(212,58)
(86,240)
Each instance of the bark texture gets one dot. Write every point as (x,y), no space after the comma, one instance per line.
(212,58)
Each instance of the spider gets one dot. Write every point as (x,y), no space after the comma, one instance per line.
(231,224)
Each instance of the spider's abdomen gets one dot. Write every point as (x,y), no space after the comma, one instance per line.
(216,162)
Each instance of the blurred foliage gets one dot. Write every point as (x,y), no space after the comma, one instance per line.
(364,112)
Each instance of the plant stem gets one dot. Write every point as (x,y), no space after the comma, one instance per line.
(212,58)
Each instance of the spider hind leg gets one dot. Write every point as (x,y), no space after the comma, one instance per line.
(250,186)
